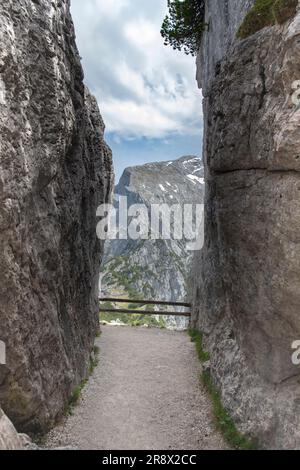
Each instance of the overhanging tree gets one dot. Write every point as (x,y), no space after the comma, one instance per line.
(184,25)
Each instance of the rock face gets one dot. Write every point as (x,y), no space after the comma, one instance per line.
(247,295)
(9,438)
(154,269)
(55,170)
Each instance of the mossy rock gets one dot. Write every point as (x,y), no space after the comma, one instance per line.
(266,13)
(260,16)
(284,10)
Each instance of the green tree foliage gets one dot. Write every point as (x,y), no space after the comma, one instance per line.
(183,27)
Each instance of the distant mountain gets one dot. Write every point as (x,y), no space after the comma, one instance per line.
(156,269)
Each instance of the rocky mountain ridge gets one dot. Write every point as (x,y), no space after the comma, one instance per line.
(154,269)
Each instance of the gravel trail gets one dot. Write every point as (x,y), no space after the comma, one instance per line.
(145,394)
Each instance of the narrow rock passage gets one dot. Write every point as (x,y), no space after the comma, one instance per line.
(144,394)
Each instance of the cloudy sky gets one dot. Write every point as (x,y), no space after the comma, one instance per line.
(147,92)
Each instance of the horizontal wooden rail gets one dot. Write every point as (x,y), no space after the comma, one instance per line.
(146,302)
(145,312)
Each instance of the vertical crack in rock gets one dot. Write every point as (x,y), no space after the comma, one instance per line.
(55,171)
(248,296)
(262,74)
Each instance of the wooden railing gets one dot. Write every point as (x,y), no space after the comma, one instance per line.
(145,302)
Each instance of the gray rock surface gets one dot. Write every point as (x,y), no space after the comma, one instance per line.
(9,438)
(223,19)
(55,170)
(154,269)
(247,295)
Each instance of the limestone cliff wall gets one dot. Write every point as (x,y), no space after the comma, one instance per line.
(55,169)
(9,438)
(247,300)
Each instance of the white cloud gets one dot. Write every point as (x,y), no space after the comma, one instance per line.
(143,30)
(144,88)
(106,8)
(130,119)
(130,79)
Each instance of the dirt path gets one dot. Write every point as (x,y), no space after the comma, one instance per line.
(145,394)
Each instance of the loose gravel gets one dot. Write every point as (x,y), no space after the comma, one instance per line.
(145,394)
